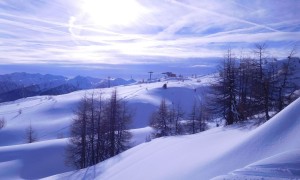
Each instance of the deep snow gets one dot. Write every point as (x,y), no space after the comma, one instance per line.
(205,155)
(33,161)
(44,158)
(202,156)
(50,117)
(281,166)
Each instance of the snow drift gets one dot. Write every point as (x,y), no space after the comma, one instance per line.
(50,117)
(33,161)
(274,137)
(202,156)
(282,166)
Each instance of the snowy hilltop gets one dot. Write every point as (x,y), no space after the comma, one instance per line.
(239,151)
(211,153)
(51,116)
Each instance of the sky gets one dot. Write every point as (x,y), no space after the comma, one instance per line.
(97,33)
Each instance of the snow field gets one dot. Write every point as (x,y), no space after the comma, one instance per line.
(202,156)
(51,116)
(216,152)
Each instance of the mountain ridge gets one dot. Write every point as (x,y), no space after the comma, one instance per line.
(20,84)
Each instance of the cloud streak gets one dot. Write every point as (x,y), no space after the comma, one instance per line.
(56,32)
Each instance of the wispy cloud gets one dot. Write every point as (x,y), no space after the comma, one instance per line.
(66,32)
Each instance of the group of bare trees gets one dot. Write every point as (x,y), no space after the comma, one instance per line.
(99,130)
(247,87)
(170,120)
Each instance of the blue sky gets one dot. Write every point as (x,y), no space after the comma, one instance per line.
(69,32)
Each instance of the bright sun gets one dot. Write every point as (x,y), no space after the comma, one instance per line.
(108,13)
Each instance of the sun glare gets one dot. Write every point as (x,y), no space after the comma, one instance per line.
(107,13)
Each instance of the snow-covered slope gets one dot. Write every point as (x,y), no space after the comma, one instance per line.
(202,156)
(33,161)
(279,167)
(163,158)
(274,137)
(44,158)
(50,117)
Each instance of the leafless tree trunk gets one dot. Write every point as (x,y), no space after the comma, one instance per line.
(225,90)
(30,134)
(264,81)
(98,131)
(285,86)
(159,120)
(178,117)
(193,119)
(2,122)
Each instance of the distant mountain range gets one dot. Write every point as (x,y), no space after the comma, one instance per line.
(19,85)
